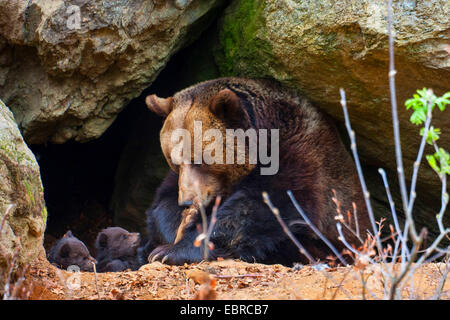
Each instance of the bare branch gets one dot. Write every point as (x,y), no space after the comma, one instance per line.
(288,232)
(314,228)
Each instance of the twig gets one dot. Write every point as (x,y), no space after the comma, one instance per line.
(340,284)
(276,212)
(395,122)
(423,143)
(212,222)
(441,285)
(204,228)
(444,202)
(362,180)
(314,228)
(349,247)
(395,280)
(400,237)
(355,215)
(96,280)
(390,200)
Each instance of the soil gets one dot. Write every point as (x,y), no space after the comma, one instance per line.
(227,279)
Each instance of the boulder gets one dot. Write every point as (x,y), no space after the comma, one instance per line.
(317,47)
(23,213)
(68,67)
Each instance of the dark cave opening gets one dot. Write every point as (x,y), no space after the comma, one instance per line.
(79,178)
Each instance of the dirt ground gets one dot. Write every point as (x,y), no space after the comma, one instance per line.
(226,279)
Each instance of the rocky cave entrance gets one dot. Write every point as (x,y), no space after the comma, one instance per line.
(87,185)
(111,181)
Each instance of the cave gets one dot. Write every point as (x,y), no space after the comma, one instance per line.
(110,181)
(79,178)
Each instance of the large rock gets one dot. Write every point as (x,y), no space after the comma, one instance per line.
(22,227)
(65,80)
(319,46)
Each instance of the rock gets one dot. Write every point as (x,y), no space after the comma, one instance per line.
(22,209)
(319,46)
(67,68)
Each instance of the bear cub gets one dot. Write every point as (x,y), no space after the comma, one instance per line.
(69,251)
(117,250)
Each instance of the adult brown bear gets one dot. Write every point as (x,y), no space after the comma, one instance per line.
(312,161)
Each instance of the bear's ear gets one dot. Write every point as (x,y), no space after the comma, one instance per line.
(102,240)
(65,250)
(226,106)
(159,105)
(68,234)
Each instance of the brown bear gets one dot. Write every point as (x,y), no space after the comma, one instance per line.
(117,250)
(69,251)
(312,161)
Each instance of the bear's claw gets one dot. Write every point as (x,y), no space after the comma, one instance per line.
(175,254)
(163,254)
(155,258)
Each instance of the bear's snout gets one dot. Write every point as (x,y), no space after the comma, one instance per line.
(185,199)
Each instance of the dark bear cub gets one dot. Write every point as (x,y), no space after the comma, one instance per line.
(117,250)
(69,251)
(307,157)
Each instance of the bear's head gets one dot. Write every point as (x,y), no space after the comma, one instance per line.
(70,251)
(194,141)
(116,242)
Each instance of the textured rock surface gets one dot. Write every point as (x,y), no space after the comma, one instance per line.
(22,227)
(319,46)
(67,81)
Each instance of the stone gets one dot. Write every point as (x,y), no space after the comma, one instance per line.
(67,68)
(317,47)
(23,213)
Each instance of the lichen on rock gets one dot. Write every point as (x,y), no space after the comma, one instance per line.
(22,209)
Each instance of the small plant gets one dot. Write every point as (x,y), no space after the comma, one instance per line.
(423,103)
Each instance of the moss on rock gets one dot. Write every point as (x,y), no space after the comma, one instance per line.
(317,47)
(242,40)
(22,206)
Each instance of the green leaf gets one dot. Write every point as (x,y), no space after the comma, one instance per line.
(433,164)
(433,134)
(444,160)
(418,117)
(442,102)
(409,103)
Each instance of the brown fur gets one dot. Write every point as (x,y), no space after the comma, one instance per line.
(313,160)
